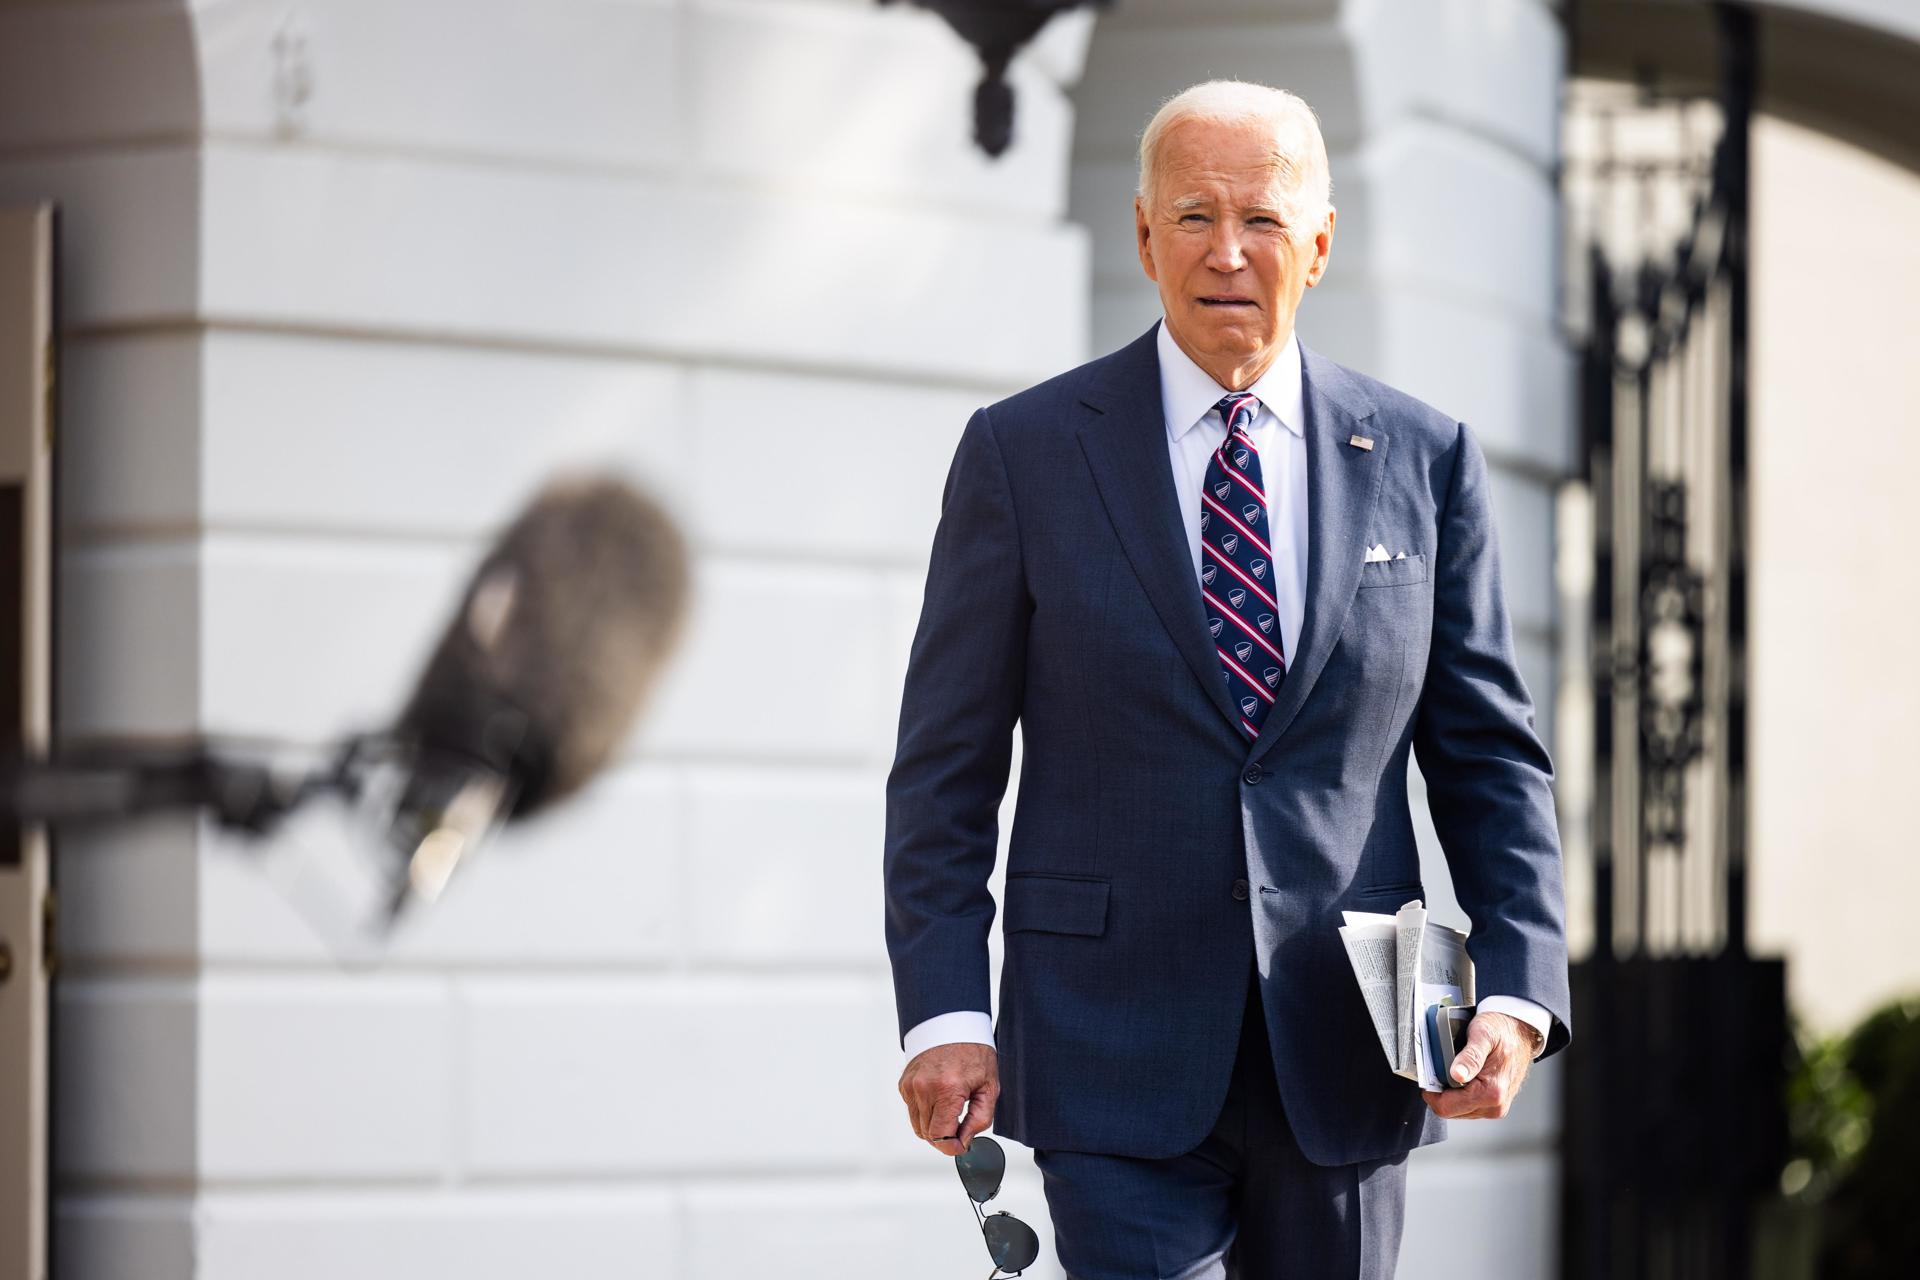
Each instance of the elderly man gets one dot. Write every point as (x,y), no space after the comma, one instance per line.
(1226,586)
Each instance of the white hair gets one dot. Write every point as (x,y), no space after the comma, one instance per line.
(1296,132)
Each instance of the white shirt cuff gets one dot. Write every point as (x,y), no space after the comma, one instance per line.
(964,1027)
(1534,1015)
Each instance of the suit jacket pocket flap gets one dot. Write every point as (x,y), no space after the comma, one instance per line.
(1055,904)
(1394,573)
(1394,893)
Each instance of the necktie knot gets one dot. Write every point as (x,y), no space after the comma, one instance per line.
(1237,409)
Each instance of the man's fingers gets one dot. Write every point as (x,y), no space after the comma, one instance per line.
(1485,1099)
(979,1113)
(1484,1094)
(937,1111)
(953,1139)
(1473,1055)
(937,1114)
(945,1119)
(1453,1104)
(943,1082)
(1490,1066)
(922,1095)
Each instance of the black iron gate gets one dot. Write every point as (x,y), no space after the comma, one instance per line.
(1675,1122)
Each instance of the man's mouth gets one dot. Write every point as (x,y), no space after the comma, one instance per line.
(1226,300)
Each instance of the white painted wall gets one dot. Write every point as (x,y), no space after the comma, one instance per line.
(344,281)
(1835,691)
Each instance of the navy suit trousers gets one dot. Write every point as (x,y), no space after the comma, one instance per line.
(1243,1205)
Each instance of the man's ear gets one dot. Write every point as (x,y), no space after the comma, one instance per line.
(1322,250)
(1143,238)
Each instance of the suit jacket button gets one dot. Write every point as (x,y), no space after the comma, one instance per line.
(1252,776)
(1239,890)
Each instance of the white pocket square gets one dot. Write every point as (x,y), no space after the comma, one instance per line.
(1378,551)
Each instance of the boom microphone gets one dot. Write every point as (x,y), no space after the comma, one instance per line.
(561,635)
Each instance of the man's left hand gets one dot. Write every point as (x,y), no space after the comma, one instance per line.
(1495,1059)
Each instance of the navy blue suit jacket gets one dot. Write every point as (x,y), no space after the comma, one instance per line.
(1061,595)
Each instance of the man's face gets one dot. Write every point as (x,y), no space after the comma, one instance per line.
(1216,241)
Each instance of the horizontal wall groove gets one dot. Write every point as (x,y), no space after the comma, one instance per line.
(688,358)
(82,148)
(187,977)
(228,537)
(871,1174)
(677,178)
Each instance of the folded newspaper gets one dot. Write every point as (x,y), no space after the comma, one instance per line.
(1406,964)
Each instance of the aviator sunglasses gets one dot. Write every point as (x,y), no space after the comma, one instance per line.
(1011,1243)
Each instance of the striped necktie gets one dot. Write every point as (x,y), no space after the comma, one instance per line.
(1236,568)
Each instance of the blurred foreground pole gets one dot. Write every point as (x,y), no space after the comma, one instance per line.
(26,636)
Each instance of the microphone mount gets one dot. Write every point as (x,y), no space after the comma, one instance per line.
(433,806)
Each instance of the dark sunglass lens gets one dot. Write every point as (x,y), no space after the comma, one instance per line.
(1011,1243)
(981,1167)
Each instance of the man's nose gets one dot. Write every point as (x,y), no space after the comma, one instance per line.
(1223,250)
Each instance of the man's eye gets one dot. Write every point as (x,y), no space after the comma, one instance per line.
(1193,217)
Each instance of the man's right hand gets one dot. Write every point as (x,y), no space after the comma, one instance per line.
(941,1082)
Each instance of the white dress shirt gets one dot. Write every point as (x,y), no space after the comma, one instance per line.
(1187,396)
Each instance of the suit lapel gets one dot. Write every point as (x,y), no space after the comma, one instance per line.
(1125,441)
(1343,485)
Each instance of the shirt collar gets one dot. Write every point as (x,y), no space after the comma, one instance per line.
(1188,392)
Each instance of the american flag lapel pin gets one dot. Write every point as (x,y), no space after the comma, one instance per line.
(1360,442)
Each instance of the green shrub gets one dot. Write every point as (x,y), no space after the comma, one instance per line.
(1853,1110)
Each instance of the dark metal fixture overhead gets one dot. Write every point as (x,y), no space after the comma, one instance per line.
(998,29)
